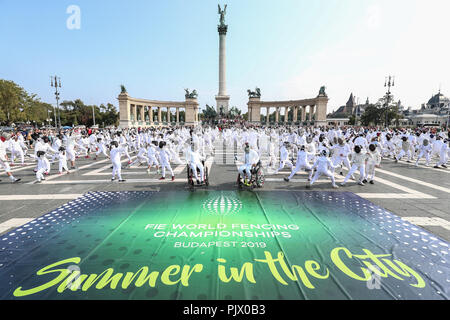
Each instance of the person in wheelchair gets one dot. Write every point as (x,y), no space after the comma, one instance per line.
(251,160)
(195,161)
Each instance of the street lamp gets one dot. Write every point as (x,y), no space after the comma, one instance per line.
(388,83)
(56,83)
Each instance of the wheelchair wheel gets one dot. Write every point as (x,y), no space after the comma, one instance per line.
(239,182)
(260,179)
(206,177)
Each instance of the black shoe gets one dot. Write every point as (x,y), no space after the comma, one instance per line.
(17,180)
(122,180)
(444,166)
(371,182)
(286,179)
(365,181)
(198,182)
(112,179)
(436,167)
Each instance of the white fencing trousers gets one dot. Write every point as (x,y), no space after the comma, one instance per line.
(285,162)
(299,166)
(327,173)
(117,170)
(164,166)
(362,172)
(194,167)
(5,165)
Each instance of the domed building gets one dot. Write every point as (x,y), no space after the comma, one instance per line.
(433,113)
(438,104)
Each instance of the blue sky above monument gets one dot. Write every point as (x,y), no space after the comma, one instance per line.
(288,48)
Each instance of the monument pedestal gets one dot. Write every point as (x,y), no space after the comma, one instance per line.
(222,102)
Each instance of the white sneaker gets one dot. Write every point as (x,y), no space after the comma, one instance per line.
(361,183)
(343,184)
(335,186)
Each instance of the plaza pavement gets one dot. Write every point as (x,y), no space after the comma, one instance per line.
(419,195)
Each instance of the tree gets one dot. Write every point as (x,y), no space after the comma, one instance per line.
(372,115)
(209,114)
(234,112)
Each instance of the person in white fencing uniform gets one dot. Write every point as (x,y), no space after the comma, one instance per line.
(56,144)
(373,161)
(358,160)
(251,159)
(17,150)
(115,154)
(141,157)
(41,166)
(424,151)
(342,151)
(4,157)
(152,156)
(302,163)
(443,155)
(195,161)
(405,150)
(62,161)
(324,166)
(101,148)
(164,156)
(284,157)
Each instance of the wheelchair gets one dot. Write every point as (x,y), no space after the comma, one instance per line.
(257,179)
(191,177)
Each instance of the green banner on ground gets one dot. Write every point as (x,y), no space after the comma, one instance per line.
(222,245)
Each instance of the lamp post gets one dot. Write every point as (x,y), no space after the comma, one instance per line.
(388,83)
(56,83)
(93,113)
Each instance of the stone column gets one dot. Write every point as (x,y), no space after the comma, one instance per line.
(178,115)
(124,108)
(222,100)
(150,114)
(277,116)
(295,116)
(268,115)
(321,110)
(159,115)
(286,114)
(303,113)
(133,107)
(142,113)
(311,112)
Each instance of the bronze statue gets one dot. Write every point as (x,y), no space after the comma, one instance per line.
(192,95)
(254,94)
(122,89)
(322,91)
(222,14)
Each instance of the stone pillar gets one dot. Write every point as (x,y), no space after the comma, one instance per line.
(142,113)
(133,107)
(311,112)
(124,110)
(268,115)
(303,113)
(151,115)
(295,116)
(178,115)
(277,115)
(191,112)
(321,112)
(286,114)
(159,115)
(222,100)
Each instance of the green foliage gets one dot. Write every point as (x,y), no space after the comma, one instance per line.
(209,114)
(16,105)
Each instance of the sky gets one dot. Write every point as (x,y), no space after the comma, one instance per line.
(288,48)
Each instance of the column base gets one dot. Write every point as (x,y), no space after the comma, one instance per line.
(222,101)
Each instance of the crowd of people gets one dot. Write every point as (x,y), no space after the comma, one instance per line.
(319,151)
